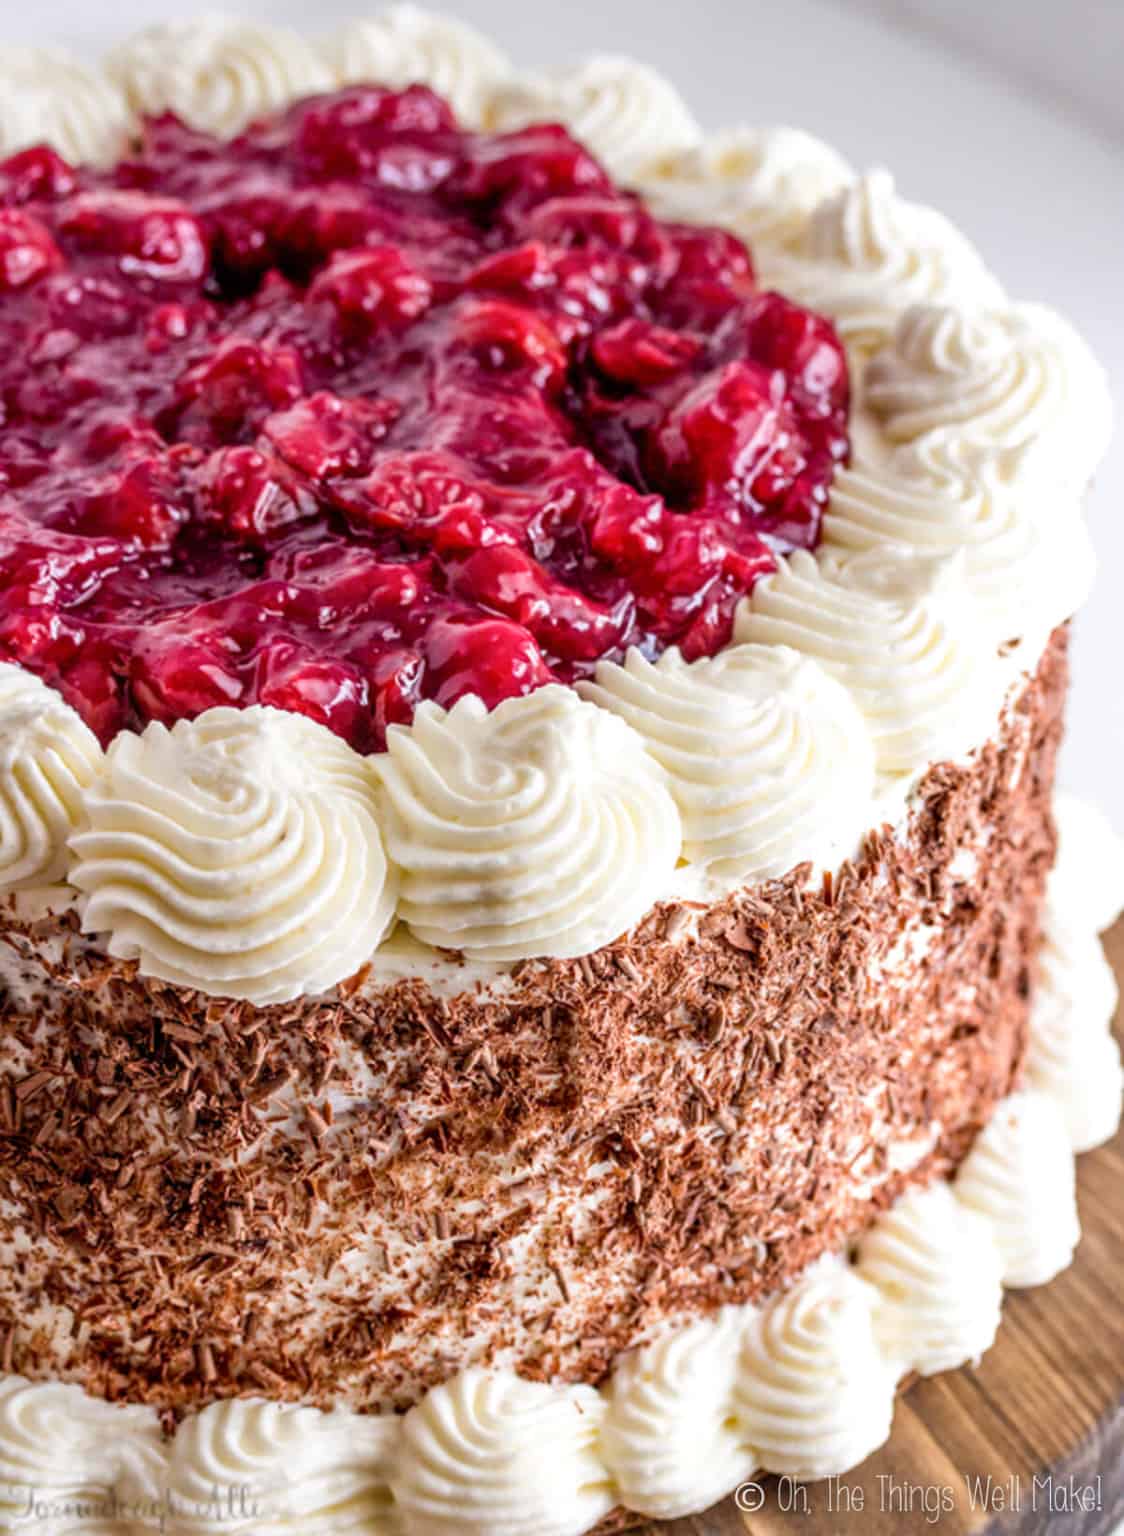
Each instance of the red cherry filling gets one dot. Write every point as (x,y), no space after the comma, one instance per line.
(362,409)
(151,237)
(372,289)
(27,251)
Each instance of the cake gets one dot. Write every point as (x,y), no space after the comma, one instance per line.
(538,975)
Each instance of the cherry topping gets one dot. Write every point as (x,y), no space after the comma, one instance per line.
(362,409)
(35,174)
(372,289)
(151,237)
(27,251)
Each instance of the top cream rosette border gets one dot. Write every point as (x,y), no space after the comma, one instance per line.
(548,826)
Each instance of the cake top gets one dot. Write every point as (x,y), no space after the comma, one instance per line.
(361,408)
(556,555)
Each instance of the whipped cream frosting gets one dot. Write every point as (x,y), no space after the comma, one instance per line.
(693,1410)
(865,255)
(48,96)
(1085,889)
(262,1467)
(57,1440)
(1013,384)
(803,1384)
(48,755)
(892,625)
(217,72)
(491,1452)
(238,853)
(763,182)
(1019,571)
(623,111)
(403,45)
(541,828)
(767,756)
(813,1391)
(671,1438)
(1020,1176)
(934,1264)
(1072,1055)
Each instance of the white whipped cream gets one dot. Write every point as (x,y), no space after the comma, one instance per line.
(238,853)
(541,828)
(492,1453)
(627,114)
(813,1393)
(1020,573)
(767,756)
(58,1441)
(1015,384)
(404,45)
(48,97)
(865,255)
(762,182)
(1020,1176)
(893,626)
(1085,891)
(261,1467)
(670,1437)
(217,72)
(935,1265)
(48,755)
(1071,1054)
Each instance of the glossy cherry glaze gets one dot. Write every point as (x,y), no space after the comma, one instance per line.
(361,409)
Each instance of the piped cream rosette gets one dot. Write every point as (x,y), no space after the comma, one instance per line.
(47,96)
(865,255)
(1013,385)
(762,182)
(540,828)
(627,114)
(217,72)
(1020,574)
(979,431)
(48,756)
(1072,1055)
(977,427)
(490,1452)
(768,757)
(896,629)
(238,853)
(403,44)
(266,1467)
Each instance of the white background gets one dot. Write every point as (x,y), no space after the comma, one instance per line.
(1008,115)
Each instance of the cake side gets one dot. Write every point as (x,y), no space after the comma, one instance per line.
(350,1200)
(803,1385)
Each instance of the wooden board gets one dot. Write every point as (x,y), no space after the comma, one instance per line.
(1046,1403)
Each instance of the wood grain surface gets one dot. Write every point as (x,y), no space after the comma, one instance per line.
(1030,1441)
